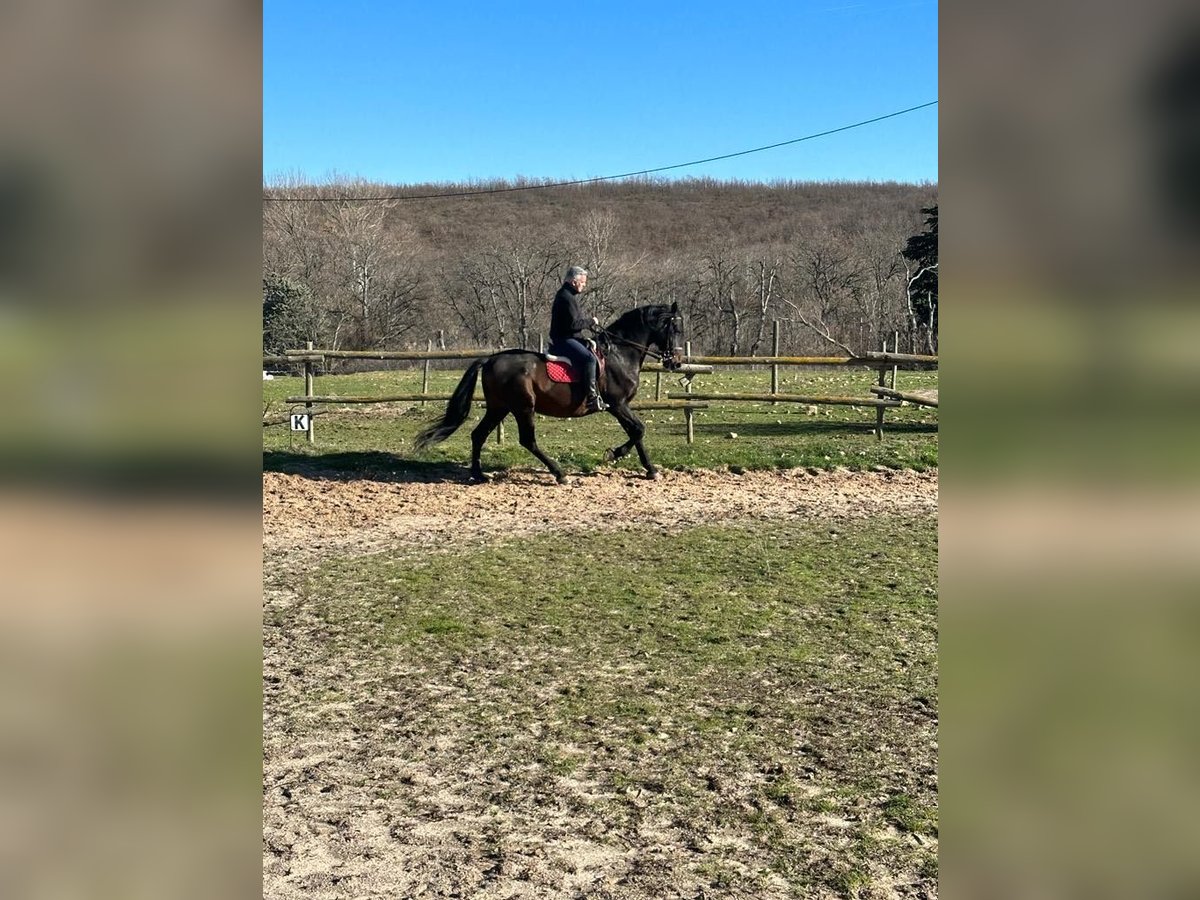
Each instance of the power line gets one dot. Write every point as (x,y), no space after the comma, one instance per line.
(534,187)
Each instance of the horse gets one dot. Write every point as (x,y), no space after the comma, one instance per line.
(517,382)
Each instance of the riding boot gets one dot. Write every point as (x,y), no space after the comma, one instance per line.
(595,402)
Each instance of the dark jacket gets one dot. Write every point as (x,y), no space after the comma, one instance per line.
(566,318)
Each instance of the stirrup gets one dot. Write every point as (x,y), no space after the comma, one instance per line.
(596,403)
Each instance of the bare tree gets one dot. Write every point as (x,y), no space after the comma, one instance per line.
(720,287)
(763,272)
(530,271)
(670,280)
(474,293)
(922,317)
(356,235)
(378,286)
(876,299)
(293,241)
(511,284)
(610,273)
(296,249)
(462,298)
(825,284)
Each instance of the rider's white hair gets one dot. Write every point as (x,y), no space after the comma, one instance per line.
(575,271)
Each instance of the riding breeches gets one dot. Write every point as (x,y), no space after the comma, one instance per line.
(580,356)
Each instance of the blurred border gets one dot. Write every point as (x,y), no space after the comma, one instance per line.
(130,535)
(1070,521)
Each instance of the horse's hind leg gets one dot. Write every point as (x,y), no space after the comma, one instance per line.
(479,435)
(525,420)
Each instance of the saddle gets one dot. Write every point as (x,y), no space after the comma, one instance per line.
(559,368)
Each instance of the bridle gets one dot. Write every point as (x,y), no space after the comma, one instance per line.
(671,358)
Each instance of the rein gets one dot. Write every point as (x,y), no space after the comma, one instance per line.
(617,339)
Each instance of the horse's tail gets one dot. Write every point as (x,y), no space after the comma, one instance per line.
(457,409)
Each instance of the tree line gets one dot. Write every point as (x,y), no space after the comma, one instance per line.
(843,265)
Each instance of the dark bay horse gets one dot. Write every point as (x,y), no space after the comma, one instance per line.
(515,381)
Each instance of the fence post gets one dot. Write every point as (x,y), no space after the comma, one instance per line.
(541,343)
(879,409)
(687,413)
(425,377)
(775,352)
(308,392)
(895,349)
(658,386)
(441,339)
(500,432)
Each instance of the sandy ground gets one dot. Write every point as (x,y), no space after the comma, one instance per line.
(331,791)
(349,515)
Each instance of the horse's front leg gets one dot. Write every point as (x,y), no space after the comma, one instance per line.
(635,429)
(612,454)
(621,413)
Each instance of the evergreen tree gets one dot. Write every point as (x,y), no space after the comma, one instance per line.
(922,253)
(285,311)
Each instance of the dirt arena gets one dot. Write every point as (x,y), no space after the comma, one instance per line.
(330,827)
(304,515)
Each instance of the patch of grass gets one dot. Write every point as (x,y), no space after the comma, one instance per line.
(783,435)
(783,791)
(822,805)
(849,881)
(929,867)
(560,763)
(720,875)
(906,814)
(441,625)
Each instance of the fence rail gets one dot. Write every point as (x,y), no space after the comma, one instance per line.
(788,398)
(294,359)
(921,398)
(390,354)
(871,360)
(670,403)
(688,400)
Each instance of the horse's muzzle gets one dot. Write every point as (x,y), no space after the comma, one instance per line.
(673,360)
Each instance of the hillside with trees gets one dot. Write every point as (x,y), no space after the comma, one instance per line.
(843,265)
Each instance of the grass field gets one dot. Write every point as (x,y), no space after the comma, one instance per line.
(782,435)
(744,711)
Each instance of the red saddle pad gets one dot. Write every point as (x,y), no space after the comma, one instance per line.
(563,372)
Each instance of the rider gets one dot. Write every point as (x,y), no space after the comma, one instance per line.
(567,322)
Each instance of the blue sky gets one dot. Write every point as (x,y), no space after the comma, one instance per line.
(451,91)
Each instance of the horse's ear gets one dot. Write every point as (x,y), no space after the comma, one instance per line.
(674,306)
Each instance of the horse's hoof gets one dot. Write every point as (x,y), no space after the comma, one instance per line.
(610,455)
(478,478)
(652,474)
(561,479)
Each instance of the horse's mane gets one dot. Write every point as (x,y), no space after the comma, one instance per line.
(635,317)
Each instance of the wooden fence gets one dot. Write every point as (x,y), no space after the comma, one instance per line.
(688,400)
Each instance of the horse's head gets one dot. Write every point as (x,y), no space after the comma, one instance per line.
(666,329)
